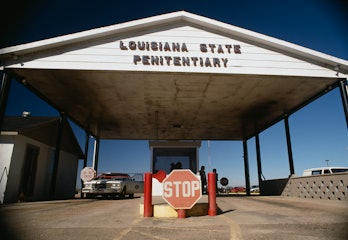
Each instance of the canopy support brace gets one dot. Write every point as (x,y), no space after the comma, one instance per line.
(288,141)
(246,167)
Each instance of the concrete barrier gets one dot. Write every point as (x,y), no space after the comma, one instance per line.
(329,186)
(273,187)
(161,209)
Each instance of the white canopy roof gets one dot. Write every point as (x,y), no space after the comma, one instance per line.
(173,76)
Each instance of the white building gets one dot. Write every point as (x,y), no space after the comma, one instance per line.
(27,153)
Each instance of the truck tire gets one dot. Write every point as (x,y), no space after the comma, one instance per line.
(123,193)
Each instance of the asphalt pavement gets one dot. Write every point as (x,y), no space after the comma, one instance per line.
(239,217)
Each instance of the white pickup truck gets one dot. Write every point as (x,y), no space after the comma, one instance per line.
(113,185)
(324,170)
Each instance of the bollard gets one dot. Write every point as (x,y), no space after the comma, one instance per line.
(181,213)
(212,194)
(148,195)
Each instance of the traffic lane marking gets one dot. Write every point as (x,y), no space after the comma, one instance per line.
(173,228)
(187,231)
(236,233)
(149,235)
(127,230)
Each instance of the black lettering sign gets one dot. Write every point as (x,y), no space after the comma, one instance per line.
(122,46)
(146,60)
(132,45)
(136,59)
(196,61)
(212,47)
(237,49)
(203,47)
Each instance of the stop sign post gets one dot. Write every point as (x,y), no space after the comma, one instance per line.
(182,189)
(87,174)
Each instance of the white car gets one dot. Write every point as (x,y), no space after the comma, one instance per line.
(255,189)
(113,185)
(324,170)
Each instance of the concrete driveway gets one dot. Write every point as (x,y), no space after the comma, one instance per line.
(253,217)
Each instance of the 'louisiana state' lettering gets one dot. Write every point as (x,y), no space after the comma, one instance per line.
(211,55)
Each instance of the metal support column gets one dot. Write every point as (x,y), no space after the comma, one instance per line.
(96,154)
(288,141)
(344,95)
(60,128)
(85,157)
(246,167)
(258,159)
(4,92)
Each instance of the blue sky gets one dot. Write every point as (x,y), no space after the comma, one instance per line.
(318,131)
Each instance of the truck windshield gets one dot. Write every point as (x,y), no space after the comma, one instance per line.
(114,177)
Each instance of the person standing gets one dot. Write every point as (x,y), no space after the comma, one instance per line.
(203,179)
(217,179)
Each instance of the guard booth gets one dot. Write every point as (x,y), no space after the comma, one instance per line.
(169,155)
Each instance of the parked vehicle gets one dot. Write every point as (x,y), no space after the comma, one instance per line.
(255,189)
(324,170)
(113,185)
(237,189)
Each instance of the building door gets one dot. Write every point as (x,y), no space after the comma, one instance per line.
(29,172)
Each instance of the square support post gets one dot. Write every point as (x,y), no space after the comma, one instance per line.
(344,96)
(4,92)
(288,141)
(85,157)
(258,159)
(96,154)
(246,167)
(60,128)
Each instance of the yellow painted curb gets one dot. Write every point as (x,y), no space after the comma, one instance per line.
(166,211)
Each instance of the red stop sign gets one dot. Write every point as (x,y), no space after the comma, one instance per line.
(87,174)
(182,189)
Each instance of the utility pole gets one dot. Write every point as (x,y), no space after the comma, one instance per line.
(327,162)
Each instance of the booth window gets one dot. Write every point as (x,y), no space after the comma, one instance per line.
(167,159)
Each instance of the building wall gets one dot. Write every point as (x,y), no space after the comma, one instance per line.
(6,149)
(66,177)
(328,186)
(273,187)
(15,168)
